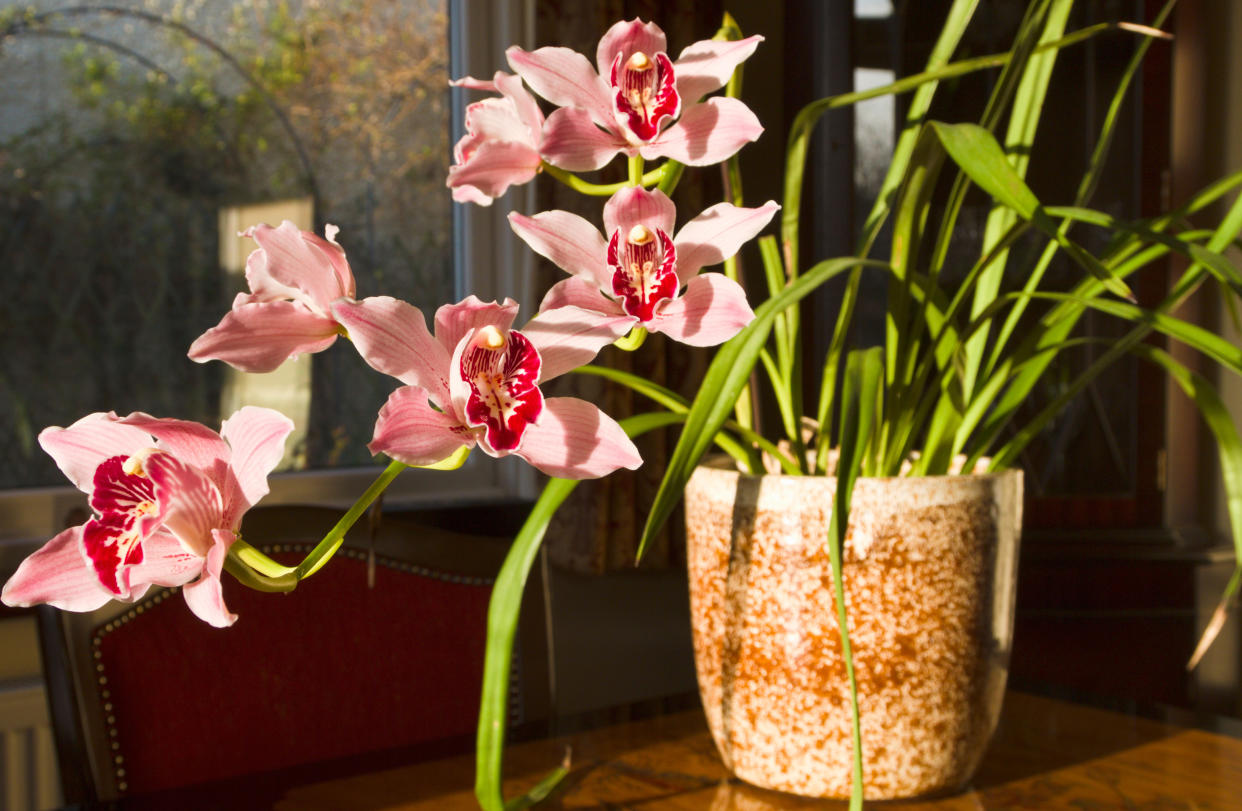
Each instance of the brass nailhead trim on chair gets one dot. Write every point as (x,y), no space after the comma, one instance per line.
(105,695)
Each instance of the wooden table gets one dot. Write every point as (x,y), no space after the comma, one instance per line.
(1047,754)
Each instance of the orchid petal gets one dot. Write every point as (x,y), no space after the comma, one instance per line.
(492,168)
(259,336)
(453,321)
(573,142)
(300,260)
(265,288)
(524,103)
(57,574)
(166,562)
(411,431)
(625,38)
(569,241)
(575,440)
(205,596)
(469,194)
(495,119)
(501,145)
(471,83)
(195,507)
(569,337)
(708,64)
(711,311)
(256,438)
(578,292)
(633,206)
(565,78)
(334,254)
(82,447)
(191,442)
(707,133)
(393,338)
(717,234)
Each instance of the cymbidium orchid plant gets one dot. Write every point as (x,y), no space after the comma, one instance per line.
(168,495)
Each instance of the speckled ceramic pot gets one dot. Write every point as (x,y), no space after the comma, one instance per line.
(930,570)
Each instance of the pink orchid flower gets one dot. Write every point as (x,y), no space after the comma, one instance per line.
(477,382)
(294,277)
(631,102)
(501,145)
(168,497)
(635,269)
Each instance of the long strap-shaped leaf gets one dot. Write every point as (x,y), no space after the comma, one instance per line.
(502,618)
(860,395)
(1060,321)
(677,404)
(1219,420)
(1024,119)
(1090,178)
(975,150)
(726,375)
(950,35)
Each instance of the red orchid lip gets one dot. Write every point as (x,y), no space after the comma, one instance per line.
(644,270)
(502,371)
(130,507)
(644,93)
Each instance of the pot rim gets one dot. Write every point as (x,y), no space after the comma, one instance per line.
(724,463)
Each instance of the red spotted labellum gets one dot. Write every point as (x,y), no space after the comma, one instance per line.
(644,93)
(504,395)
(644,269)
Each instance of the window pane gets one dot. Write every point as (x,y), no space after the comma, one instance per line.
(134,144)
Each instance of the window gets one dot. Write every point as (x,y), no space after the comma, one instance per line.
(136,139)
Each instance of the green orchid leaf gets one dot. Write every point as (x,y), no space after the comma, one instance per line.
(860,392)
(679,405)
(976,151)
(1219,420)
(1024,119)
(725,377)
(502,620)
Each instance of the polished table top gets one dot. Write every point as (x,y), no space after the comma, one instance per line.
(1047,754)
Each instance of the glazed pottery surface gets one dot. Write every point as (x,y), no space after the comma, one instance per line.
(929,569)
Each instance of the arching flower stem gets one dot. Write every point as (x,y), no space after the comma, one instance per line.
(636,170)
(658,175)
(326,548)
(632,339)
(258,571)
(672,174)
